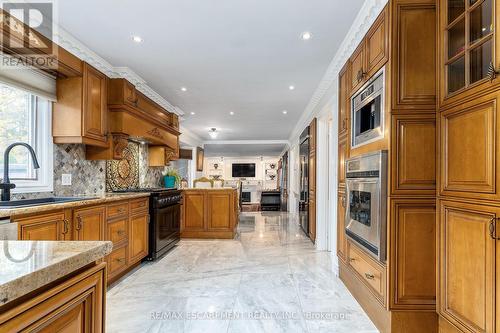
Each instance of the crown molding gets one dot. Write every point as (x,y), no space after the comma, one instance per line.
(362,23)
(246,142)
(80,50)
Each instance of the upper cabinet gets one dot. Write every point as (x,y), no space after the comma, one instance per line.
(372,53)
(80,113)
(344,100)
(468,43)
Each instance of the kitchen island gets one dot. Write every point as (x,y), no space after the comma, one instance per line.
(50,285)
(209,213)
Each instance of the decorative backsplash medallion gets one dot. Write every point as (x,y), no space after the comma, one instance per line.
(124,173)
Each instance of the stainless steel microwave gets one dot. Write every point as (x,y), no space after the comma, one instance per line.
(368,111)
(366,194)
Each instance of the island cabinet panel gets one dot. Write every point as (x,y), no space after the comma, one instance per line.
(50,226)
(194,207)
(89,223)
(138,246)
(218,207)
(414,61)
(469,150)
(467,265)
(209,213)
(414,154)
(413,254)
(75,305)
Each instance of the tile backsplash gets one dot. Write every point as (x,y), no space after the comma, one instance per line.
(89,177)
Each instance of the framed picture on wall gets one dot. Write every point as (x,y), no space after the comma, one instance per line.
(199,158)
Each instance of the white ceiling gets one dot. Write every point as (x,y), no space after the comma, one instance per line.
(238,56)
(240,150)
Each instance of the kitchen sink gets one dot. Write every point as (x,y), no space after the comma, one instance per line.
(38,202)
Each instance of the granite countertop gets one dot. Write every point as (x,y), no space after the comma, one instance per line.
(29,265)
(108,197)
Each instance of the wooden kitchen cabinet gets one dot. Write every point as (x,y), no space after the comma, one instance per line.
(469,149)
(344,101)
(54,226)
(138,244)
(341,235)
(468,45)
(209,213)
(80,113)
(75,305)
(89,223)
(371,54)
(467,265)
(343,155)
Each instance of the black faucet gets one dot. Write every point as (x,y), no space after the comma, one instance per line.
(6,185)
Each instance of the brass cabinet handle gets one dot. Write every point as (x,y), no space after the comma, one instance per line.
(491,73)
(120,232)
(343,201)
(120,259)
(344,122)
(352,259)
(66,227)
(493,228)
(79,223)
(369,276)
(121,210)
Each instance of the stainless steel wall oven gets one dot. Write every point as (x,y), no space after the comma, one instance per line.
(366,187)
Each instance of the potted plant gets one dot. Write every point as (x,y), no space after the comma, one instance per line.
(171,177)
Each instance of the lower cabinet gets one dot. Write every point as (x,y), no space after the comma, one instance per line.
(138,241)
(75,305)
(52,226)
(467,265)
(341,236)
(209,213)
(89,223)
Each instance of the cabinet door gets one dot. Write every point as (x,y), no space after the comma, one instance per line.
(344,111)
(95,107)
(467,265)
(343,146)
(468,45)
(76,305)
(89,223)
(341,237)
(54,226)
(469,150)
(194,211)
(138,244)
(376,46)
(220,207)
(358,68)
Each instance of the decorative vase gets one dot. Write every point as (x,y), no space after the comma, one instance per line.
(169,181)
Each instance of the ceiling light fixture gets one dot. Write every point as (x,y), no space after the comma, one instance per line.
(184,89)
(137,39)
(285,111)
(213,133)
(306,35)
(291,87)
(193,113)
(231,113)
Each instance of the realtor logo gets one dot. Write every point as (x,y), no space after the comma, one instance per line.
(27,34)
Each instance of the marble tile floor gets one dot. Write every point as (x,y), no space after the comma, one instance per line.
(269,279)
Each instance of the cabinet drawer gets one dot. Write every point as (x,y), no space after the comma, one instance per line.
(118,231)
(117,260)
(117,210)
(369,271)
(139,205)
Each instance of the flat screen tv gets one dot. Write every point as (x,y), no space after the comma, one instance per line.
(243,170)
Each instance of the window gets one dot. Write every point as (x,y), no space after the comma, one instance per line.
(25,117)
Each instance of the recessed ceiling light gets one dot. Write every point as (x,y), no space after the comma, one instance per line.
(291,87)
(285,111)
(193,113)
(184,89)
(231,113)
(137,39)
(306,35)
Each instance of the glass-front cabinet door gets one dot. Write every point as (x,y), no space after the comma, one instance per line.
(467,45)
